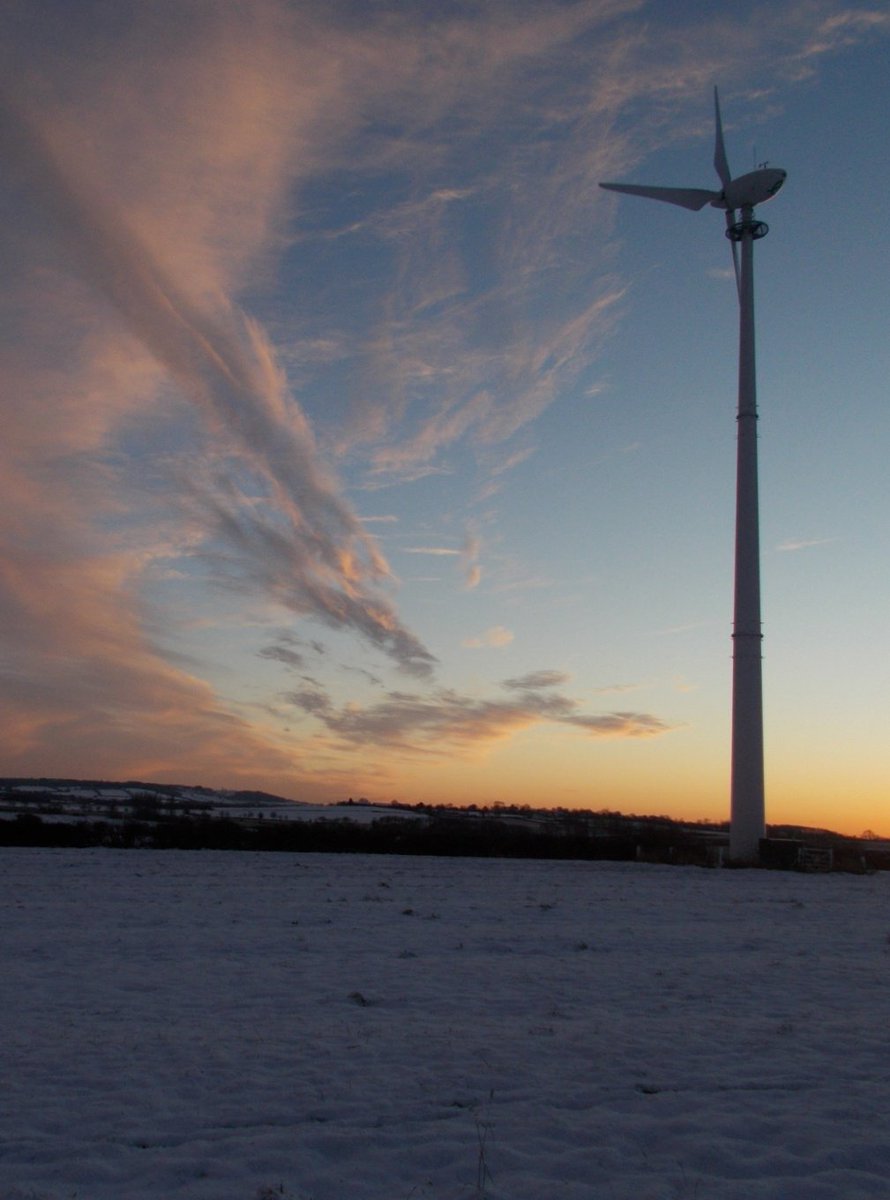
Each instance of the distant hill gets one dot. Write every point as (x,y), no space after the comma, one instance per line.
(133,814)
(92,797)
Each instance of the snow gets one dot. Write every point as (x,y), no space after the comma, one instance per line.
(233,1026)
(61,802)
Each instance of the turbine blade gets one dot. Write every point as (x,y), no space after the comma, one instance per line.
(730,221)
(721,163)
(694,198)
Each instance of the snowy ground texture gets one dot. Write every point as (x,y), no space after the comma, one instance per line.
(230,1026)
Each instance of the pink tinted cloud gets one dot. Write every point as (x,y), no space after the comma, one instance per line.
(223,363)
(84,692)
(494,637)
(151,175)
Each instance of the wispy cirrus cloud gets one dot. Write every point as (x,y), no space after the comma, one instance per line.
(284,654)
(292,651)
(125,241)
(227,367)
(498,288)
(168,180)
(446,721)
(844,28)
(536,680)
(792,544)
(493,638)
(611,689)
(470,555)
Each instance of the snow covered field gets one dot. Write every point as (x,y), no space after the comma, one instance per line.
(231,1026)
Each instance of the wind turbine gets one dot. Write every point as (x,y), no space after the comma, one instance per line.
(737,197)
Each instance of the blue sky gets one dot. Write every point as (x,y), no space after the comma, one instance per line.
(359,444)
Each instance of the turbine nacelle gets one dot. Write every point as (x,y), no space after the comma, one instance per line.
(754,188)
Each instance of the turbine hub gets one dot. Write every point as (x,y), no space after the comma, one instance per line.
(747,227)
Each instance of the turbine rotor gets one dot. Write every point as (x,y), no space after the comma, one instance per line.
(741,194)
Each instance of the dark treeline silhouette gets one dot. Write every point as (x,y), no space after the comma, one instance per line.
(448,833)
(80,813)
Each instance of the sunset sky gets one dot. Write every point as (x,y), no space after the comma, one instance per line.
(355,443)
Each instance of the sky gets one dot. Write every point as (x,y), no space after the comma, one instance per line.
(356,443)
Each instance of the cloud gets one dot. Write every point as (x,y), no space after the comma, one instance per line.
(792,544)
(472,577)
(470,553)
(287,650)
(149,433)
(671,630)
(282,654)
(486,395)
(222,361)
(84,691)
(310,700)
(536,680)
(455,363)
(621,724)
(446,721)
(248,248)
(844,28)
(681,684)
(368,676)
(495,637)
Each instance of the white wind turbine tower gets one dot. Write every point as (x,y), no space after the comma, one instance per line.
(737,197)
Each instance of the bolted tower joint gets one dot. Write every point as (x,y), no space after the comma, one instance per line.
(747,227)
